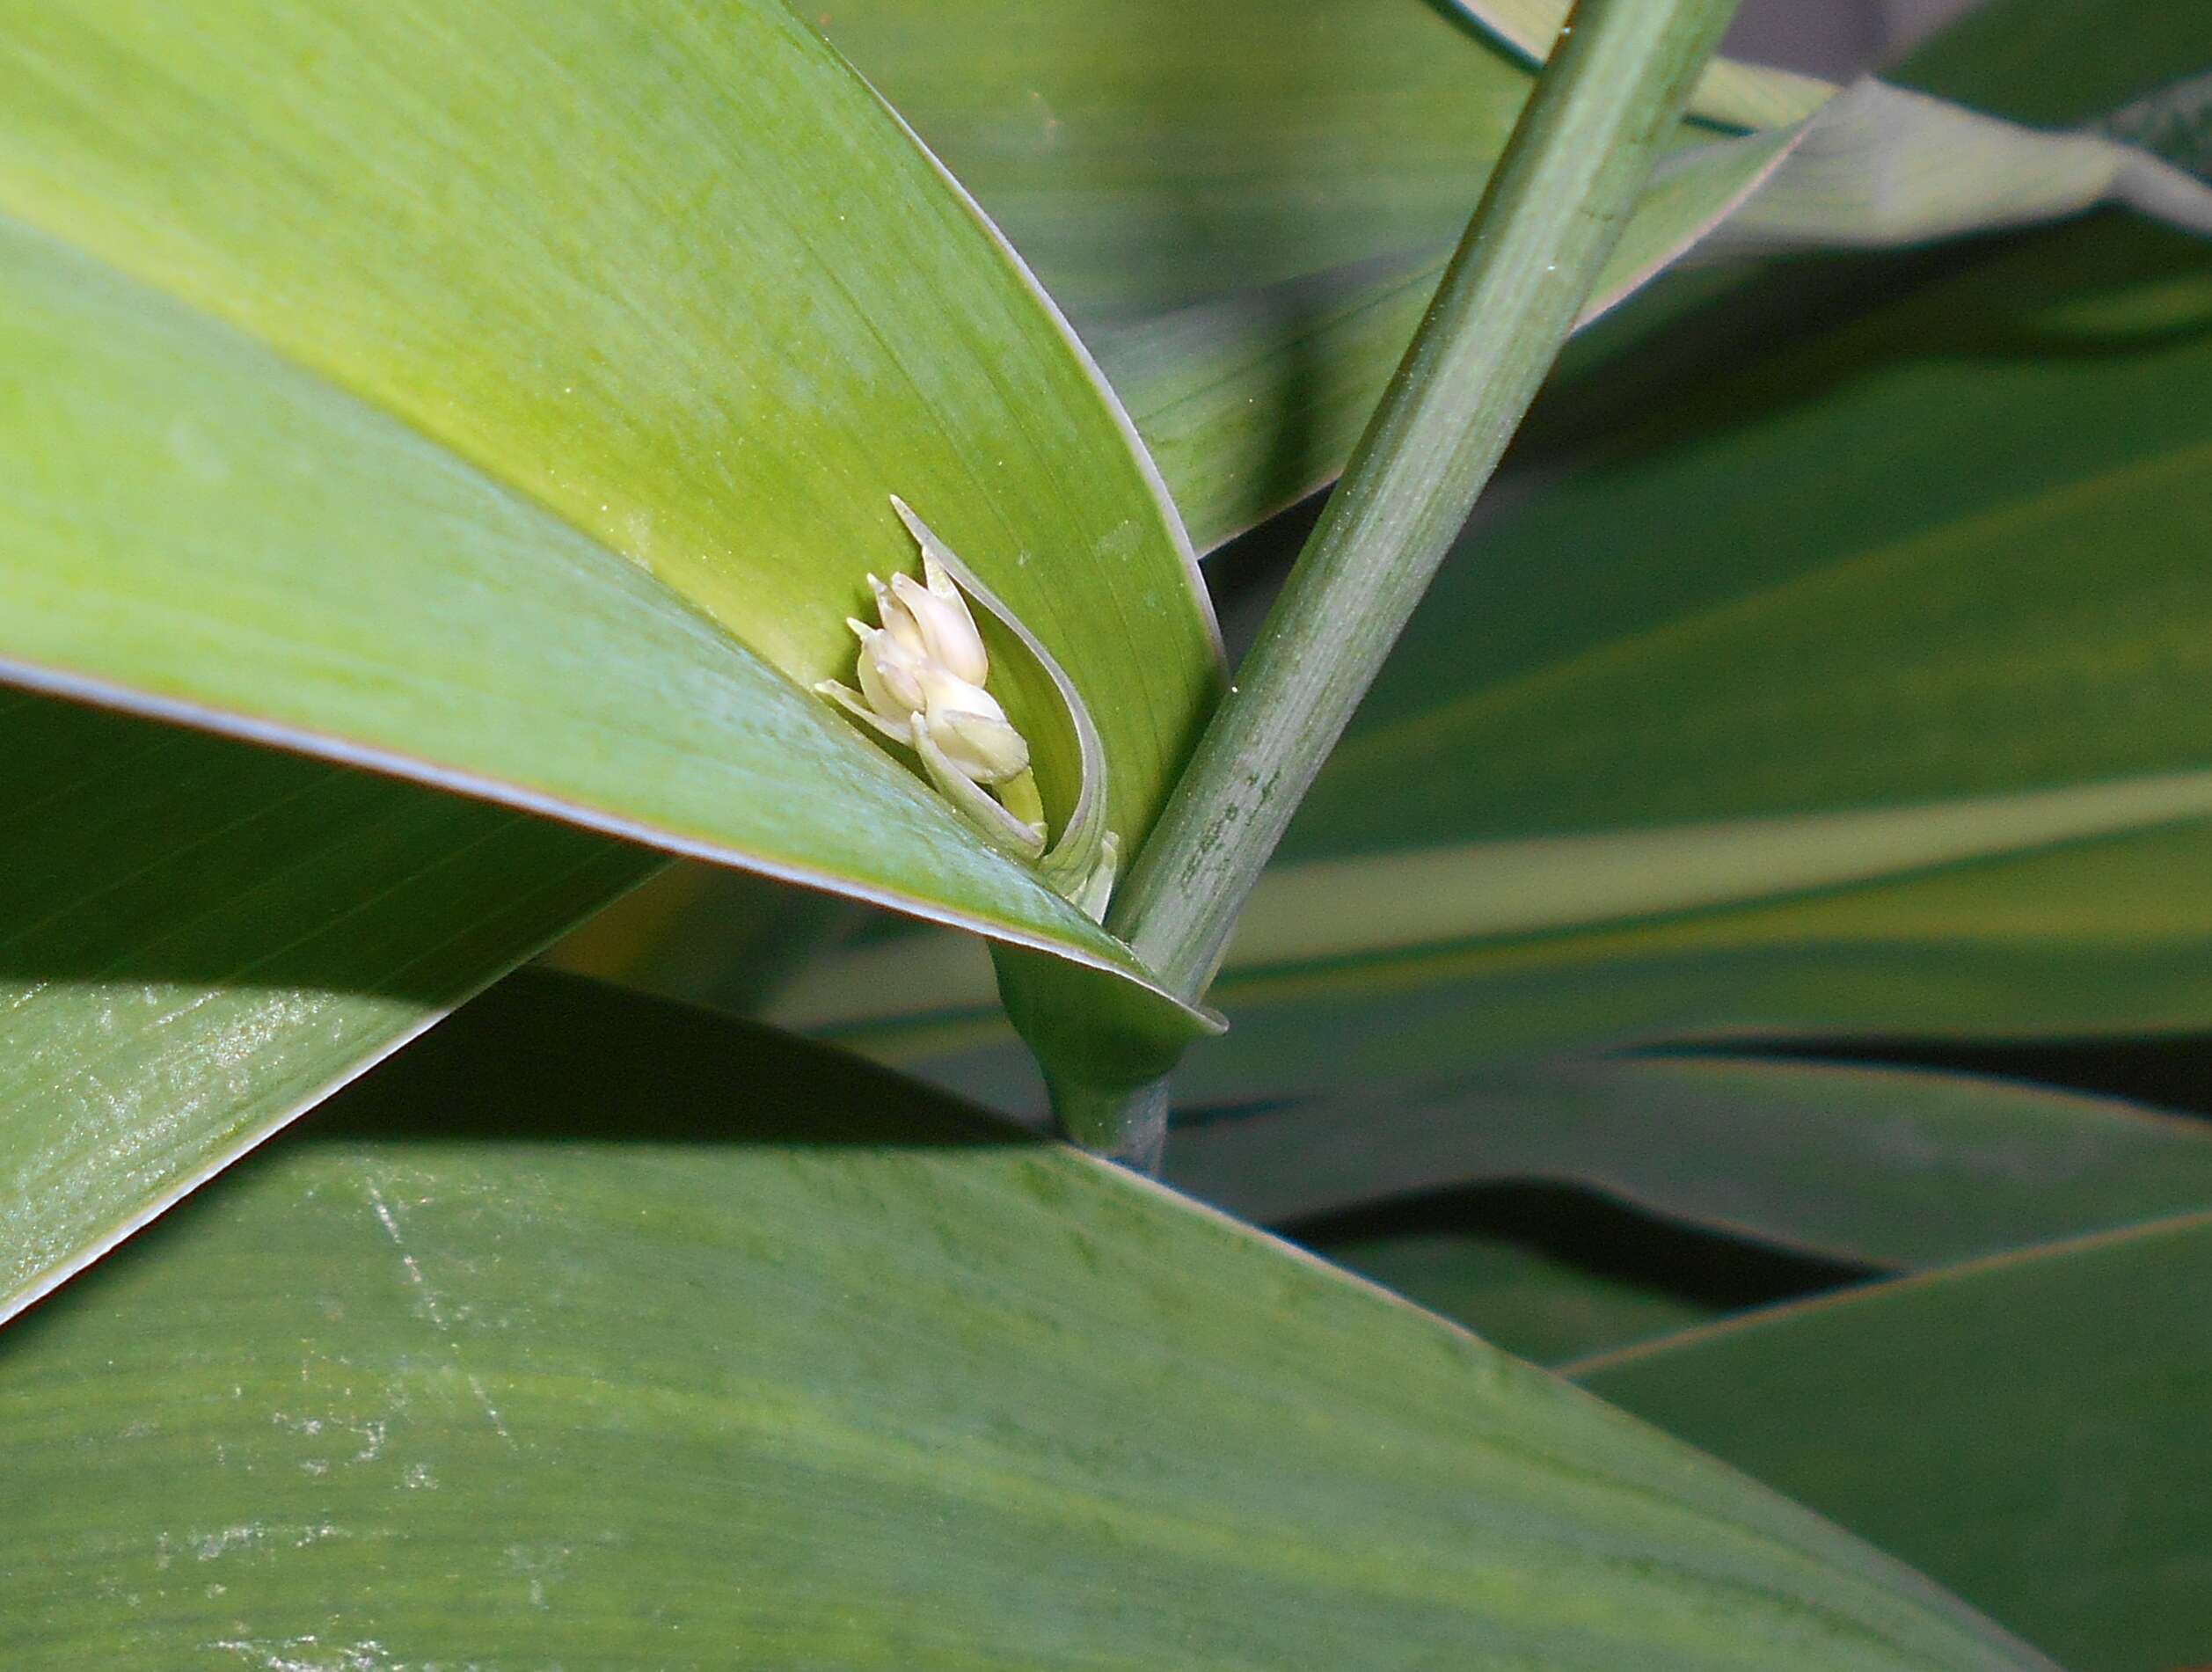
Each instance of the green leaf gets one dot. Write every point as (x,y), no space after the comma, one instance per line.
(203,938)
(1149,155)
(540,483)
(2058,64)
(1909,739)
(1250,271)
(359,414)
(614,1333)
(1882,1166)
(2030,1430)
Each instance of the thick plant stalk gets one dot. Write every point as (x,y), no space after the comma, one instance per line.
(1614,88)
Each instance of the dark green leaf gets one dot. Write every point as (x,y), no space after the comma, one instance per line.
(1886,1166)
(2031,1430)
(601,1331)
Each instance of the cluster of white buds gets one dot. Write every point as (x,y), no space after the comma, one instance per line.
(921,672)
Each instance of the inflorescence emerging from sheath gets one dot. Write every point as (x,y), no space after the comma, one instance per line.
(922,673)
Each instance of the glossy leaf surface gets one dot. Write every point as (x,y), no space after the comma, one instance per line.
(611,1331)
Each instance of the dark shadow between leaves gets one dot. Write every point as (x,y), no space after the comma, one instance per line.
(140,853)
(545,1057)
(548,1058)
(1598,1233)
(2173,1073)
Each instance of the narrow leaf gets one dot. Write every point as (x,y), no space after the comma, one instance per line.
(203,938)
(1879,1167)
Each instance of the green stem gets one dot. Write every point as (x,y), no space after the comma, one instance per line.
(1614,89)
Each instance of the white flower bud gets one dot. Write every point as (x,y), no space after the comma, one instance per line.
(971,729)
(1002,829)
(897,619)
(922,675)
(891,676)
(949,631)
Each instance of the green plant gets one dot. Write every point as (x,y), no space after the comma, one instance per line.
(498,411)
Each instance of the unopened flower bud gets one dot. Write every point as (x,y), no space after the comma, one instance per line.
(891,674)
(971,729)
(948,630)
(897,619)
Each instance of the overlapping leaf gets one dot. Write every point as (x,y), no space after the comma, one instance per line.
(1892,1167)
(204,938)
(343,409)
(707,359)
(1909,739)
(612,1332)
(2030,1430)
(1518,1295)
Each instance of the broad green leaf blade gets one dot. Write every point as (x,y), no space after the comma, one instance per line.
(706,359)
(1962,500)
(156,451)
(202,938)
(610,1330)
(1881,1166)
(2098,938)
(2030,1430)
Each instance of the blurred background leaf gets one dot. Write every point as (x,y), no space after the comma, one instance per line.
(1246,212)
(1866,1165)
(2028,1429)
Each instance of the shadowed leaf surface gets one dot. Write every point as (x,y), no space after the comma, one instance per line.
(1886,1166)
(614,1332)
